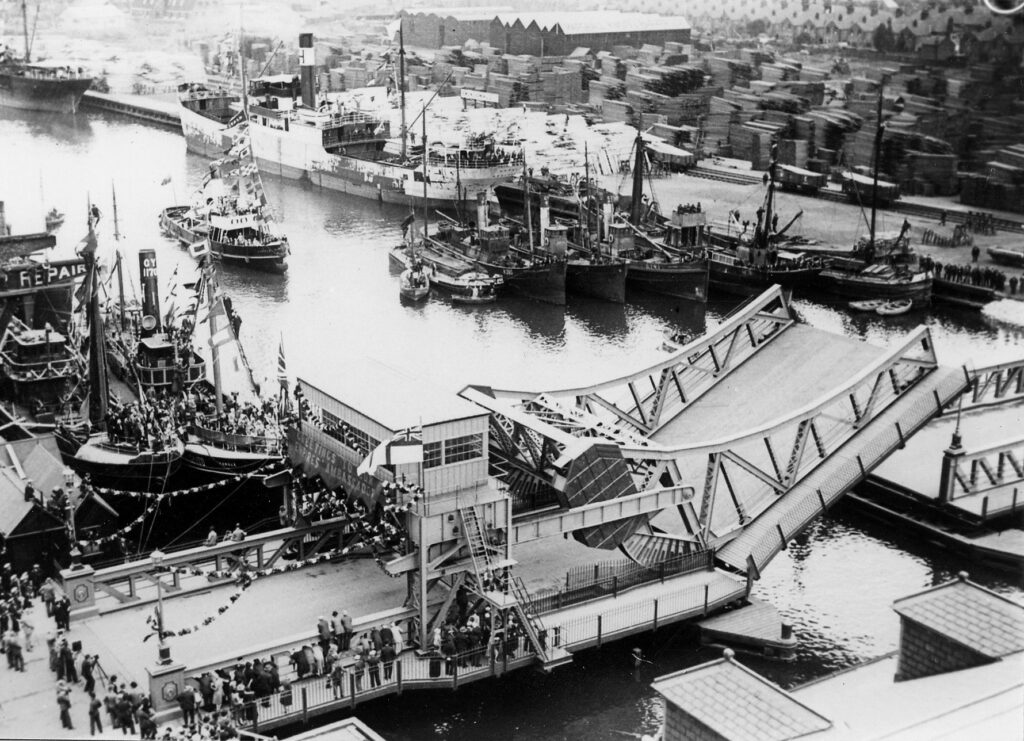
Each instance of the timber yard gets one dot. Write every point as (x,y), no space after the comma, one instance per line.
(543,371)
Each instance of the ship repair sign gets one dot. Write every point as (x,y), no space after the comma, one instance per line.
(47,274)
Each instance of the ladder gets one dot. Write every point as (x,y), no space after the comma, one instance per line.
(479,552)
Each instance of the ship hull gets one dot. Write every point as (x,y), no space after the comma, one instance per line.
(688,282)
(853,287)
(109,466)
(205,136)
(41,94)
(208,462)
(539,282)
(256,258)
(743,281)
(605,281)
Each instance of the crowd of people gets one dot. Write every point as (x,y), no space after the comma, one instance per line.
(145,426)
(974,221)
(974,275)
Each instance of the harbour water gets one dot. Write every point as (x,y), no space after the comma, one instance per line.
(339,299)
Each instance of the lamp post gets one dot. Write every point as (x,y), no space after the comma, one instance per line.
(164,653)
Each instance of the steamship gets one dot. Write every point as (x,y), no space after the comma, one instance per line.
(344,149)
(209,118)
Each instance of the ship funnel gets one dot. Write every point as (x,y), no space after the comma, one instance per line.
(307,69)
(150,293)
(545,219)
(481,211)
(607,213)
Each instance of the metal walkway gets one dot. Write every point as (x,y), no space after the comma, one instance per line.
(749,432)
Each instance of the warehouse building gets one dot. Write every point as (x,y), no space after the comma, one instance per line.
(541,34)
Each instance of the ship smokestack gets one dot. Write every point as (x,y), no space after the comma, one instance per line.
(607,210)
(307,69)
(545,219)
(481,211)
(150,293)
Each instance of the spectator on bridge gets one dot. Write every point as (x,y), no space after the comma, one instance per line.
(64,703)
(187,703)
(346,631)
(95,719)
(238,534)
(318,660)
(373,666)
(323,629)
(211,539)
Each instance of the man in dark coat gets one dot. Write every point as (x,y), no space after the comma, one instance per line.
(187,703)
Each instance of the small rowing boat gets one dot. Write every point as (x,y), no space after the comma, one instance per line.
(872,305)
(895,308)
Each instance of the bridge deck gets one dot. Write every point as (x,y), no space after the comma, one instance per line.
(918,467)
(762,539)
(793,370)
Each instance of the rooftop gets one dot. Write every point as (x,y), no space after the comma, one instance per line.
(969,614)
(738,703)
(391,397)
(598,21)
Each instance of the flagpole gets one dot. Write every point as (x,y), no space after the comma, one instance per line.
(214,348)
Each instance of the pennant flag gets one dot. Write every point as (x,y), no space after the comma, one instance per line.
(402,449)
(166,180)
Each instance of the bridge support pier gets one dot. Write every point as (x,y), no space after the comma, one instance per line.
(950,460)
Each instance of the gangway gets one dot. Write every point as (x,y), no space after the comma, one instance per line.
(759,426)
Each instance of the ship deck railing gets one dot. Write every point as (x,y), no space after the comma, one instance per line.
(237,441)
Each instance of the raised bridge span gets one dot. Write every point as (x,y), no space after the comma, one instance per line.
(747,433)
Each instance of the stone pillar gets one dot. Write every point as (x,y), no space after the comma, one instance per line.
(165,682)
(78,585)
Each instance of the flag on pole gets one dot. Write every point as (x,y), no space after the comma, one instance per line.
(282,367)
(405,447)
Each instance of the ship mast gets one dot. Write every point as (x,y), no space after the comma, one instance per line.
(214,346)
(526,200)
(638,178)
(241,69)
(426,211)
(24,26)
(586,180)
(765,237)
(97,351)
(401,82)
(117,241)
(874,182)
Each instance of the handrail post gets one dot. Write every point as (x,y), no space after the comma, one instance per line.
(655,626)
(599,630)
(707,590)
(305,707)
(455,671)
(398,675)
(615,585)
(352,688)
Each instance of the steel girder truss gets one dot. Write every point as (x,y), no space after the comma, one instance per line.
(995,384)
(983,469)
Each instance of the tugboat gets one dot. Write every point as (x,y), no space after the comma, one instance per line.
(53,220)
(39,367)
(885,268)
(131,456)
(36,87)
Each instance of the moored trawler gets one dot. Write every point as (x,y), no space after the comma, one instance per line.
(295,136)
(208,118)
(34,87)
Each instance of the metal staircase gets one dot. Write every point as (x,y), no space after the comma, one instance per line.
(514,595)
(651,549)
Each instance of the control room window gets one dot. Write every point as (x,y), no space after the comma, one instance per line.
(432,455)
(463,448)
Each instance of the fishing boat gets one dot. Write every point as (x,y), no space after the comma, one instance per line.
(866,305)
(209,118)
(246,238)
(895,308)
(448,272)
(880,266)
(652,265)
(218,444)
(39,87)
(535,273)
(754,260)
(39,368)
(1012,256)
(137,459)
(342,146)
(565,197)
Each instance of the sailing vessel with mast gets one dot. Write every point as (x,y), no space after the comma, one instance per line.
(140,455)
(880,268)
(38,87)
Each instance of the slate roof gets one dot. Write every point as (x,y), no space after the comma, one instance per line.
(739,704)
(969,614)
